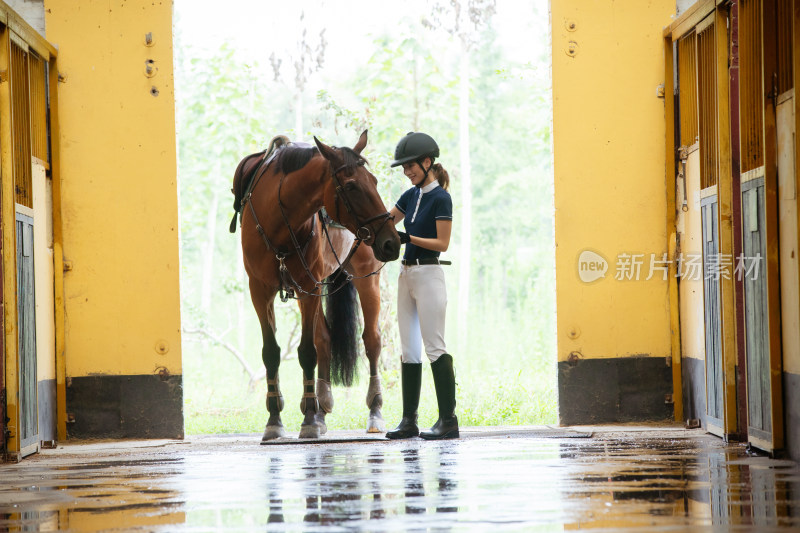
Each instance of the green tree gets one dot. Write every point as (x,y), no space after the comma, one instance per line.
(221,117)
(463,19)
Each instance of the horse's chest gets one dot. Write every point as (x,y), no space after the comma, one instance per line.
(341,243)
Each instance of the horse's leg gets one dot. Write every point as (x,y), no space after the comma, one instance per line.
(322,342)
(369,293)
(271,355)
(307,355)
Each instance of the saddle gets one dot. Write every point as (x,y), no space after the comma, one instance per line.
(241,189)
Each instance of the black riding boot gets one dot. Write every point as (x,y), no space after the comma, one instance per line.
(411,375)
(444,379)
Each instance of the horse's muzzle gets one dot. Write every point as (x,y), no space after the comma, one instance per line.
(387,248)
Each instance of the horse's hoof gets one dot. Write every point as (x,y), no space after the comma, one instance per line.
(273,432)
(376,425)
(319,419)
(309,431)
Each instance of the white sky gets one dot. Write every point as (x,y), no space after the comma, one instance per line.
(257,28)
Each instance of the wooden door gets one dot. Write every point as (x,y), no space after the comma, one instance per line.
(25,135)
(759,398)
(26,328)
(709,173)
(715,379)
(689,232)
(27,419)
(758,97)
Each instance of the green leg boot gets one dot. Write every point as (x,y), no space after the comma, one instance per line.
(411,375)
(444,379)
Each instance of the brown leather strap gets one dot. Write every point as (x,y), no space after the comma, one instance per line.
(273,393)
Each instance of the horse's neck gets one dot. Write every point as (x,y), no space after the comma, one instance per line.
(302,194)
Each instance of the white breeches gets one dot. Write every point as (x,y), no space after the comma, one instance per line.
(421,309)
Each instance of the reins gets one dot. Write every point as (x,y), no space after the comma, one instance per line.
(289,292)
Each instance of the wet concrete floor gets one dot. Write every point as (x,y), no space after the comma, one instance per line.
(512,479)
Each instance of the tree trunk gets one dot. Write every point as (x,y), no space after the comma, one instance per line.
(465,254)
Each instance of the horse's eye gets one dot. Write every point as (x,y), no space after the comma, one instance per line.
(350,186)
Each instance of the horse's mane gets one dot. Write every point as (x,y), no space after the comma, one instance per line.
(293,158)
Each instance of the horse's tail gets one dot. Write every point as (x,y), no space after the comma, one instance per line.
(341,312)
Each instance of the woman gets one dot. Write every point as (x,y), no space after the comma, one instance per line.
(427,212)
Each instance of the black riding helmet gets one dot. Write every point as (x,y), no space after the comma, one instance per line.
(415,146)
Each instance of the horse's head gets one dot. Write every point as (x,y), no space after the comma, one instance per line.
(351,198)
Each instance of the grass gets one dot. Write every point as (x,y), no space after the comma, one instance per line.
(505,371)
(491,391)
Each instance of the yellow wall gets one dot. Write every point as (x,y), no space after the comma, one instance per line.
(43,272)
(608,141)
(119,186)
(787,220)
(690,231)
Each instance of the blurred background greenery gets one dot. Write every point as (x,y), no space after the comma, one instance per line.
(473,74)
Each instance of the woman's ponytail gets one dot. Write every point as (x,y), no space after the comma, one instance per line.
(441,175)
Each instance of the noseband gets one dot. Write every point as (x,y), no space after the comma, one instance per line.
(363,232)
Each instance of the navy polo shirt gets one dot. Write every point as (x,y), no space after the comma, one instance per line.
(421,208)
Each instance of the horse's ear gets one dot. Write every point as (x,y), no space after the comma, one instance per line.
(326,151)
(362,142)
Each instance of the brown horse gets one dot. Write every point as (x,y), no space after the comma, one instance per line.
(287,251)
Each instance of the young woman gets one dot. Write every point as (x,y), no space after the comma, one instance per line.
(427,212)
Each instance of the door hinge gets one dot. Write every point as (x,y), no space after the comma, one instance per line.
(774,93)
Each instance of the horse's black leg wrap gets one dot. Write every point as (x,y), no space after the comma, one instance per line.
(411,374)
(444,379)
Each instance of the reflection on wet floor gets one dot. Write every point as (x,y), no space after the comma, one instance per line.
(655,480)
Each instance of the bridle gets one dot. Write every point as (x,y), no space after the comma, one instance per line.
(289,287)
(341,192)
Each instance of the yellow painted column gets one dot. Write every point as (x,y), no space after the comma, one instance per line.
(614,343)
(119,217)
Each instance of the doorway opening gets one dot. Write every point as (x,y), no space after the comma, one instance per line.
(482,89)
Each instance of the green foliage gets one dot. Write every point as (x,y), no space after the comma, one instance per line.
(228,108)
(218,399)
